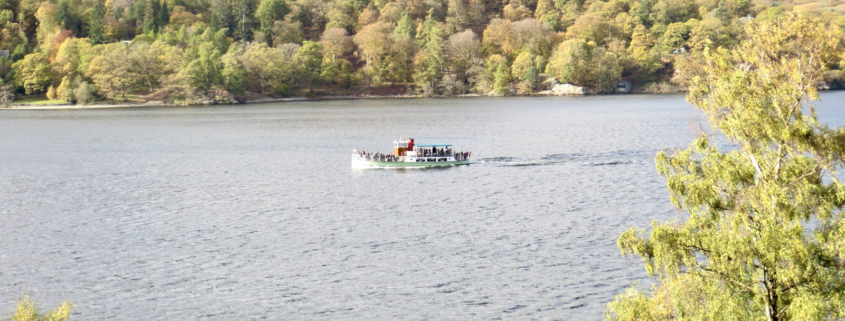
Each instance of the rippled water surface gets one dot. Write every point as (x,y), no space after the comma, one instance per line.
(248,212)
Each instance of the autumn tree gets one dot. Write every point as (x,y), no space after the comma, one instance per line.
(234,73)
(496,78)
(268,70)
(763,239)
(374,45)
(592,27)
(525,71)
(47,23)
(111,72)
(463,55)
(336,44)
(204,66)
(309,60)
(28,310)
(457,15)
(72,57)
(430,60)
(675,37)
(498,37)
(286,32)
(146,67)
(33,73)
(201,62)
(582,63)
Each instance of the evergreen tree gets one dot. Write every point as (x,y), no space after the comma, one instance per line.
(404,28)
(152,9)
(63,16)
(644,12)
(243,14)
(500,80)
(268,12)
(95,23)
(722,13)
(431,58)
(163,15)
(221,16)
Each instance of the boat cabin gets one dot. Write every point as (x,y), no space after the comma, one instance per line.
(430,153)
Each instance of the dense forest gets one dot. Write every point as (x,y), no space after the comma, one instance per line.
(225,51)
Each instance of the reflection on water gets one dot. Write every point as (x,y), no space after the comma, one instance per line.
(246,212)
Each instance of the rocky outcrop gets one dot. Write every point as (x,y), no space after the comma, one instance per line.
(557,89)
(567,90)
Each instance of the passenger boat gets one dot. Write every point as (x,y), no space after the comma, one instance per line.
(408,154)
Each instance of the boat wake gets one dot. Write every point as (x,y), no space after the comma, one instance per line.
(621,157)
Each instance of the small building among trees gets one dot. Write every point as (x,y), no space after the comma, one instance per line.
(623,86)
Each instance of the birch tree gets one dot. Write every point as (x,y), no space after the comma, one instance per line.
(764,233)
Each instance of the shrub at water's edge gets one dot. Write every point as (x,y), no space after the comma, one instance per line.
(765,229)
(28,310)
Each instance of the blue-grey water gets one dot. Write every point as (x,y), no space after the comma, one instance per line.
(253,211)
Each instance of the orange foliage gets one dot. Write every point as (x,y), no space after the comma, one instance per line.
(58,39)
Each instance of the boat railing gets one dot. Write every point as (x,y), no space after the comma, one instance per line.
(378,157)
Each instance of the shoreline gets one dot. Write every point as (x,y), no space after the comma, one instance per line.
(14,106)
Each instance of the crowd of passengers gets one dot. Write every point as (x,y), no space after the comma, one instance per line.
(421,152)
(377,157)
(446,151)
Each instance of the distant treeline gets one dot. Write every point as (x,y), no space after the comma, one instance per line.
(218,51)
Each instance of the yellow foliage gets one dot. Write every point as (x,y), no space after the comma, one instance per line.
(27,310)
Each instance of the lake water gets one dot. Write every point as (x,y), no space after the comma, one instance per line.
(253,211)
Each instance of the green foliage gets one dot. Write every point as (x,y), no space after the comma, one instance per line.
(269,71)
(500,80)
(431,47)
(525,71)
(163,16)
(110,71)
(63,16)
(268,12)
(430,60)
(243,12)
(765,228)
(405,28)
(221,16)
(234,73)
(309,59)
(204,70)
(286,32)
(72,57)
(95,23)
(676,36)
(495,75)
(65,90)
(152,10)
(33,73)
(585,64)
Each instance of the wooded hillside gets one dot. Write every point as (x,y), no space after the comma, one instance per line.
(221,51)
